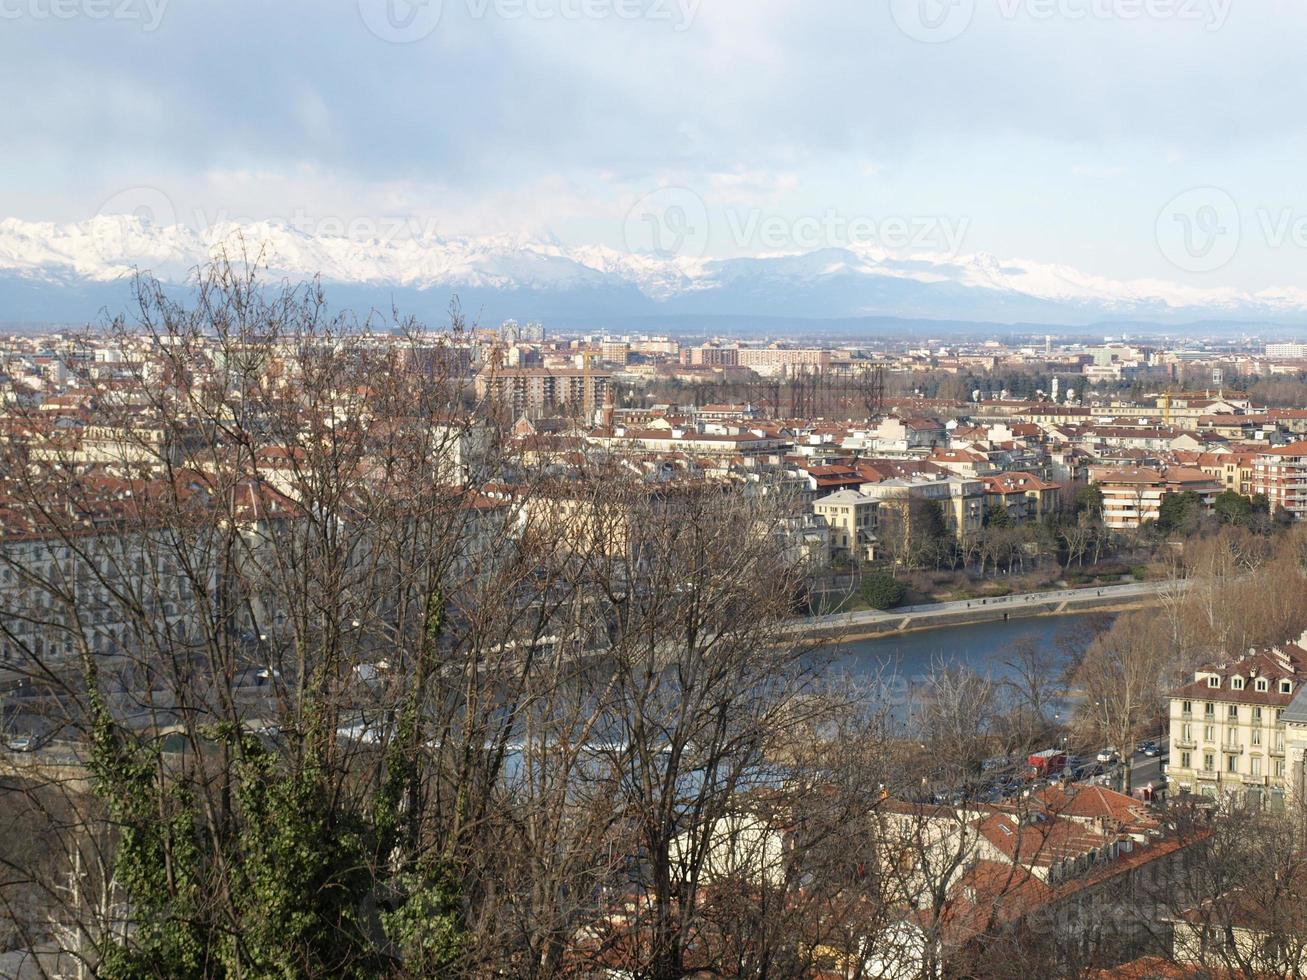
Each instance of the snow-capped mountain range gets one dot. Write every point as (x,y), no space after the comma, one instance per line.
(68,271)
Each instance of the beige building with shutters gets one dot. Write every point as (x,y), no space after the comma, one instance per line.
(1228,727)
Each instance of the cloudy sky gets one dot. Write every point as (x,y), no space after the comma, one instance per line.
(1127,138)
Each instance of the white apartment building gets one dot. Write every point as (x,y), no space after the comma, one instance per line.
(1228,730)
(1286,352)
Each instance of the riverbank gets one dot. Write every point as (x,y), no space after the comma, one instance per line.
(869,624)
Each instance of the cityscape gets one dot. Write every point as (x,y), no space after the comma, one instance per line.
(653,490)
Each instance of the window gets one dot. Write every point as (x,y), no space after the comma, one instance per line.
(1257,736)
(1263,684)
(1209,733)
(1234,712)
(1184,760)
(1186,732)
(1209,709)
(1213,682)
(1279,741)
(1236,683)
(1209,762)
(1256,765)
(1187,708)
(1279,768)
(1257,716)
(1286,687)
(1231,763)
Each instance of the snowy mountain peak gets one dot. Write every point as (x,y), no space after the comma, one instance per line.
(859,280)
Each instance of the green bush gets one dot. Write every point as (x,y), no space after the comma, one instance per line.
(881,590)
(1139,572)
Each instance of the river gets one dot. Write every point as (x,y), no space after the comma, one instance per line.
(892,668)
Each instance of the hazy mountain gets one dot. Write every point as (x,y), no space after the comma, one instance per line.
(70,272)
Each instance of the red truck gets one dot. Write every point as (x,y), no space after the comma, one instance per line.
(1047,762)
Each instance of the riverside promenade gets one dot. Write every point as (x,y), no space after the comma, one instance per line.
(1057,602)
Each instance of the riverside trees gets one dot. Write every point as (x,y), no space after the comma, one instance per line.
(362,690)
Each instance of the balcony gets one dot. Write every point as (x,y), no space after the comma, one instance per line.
(1184,743)
(1211,774)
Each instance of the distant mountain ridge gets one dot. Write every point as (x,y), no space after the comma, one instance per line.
(70,272)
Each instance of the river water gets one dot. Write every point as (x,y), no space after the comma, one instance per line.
(893,669)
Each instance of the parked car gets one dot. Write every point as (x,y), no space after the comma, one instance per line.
(1150,749)
(1109,756)
(20,743)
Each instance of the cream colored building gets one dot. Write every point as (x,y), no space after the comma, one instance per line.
(1228,730)
(851,517)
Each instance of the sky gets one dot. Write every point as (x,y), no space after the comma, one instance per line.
(1132,139)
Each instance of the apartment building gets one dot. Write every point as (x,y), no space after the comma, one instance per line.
(1234,470)
(535,392)
(1228,734)
(961,504)
(1132,496)
(851,517)
(1023,496)
(1281,474)
(770,361)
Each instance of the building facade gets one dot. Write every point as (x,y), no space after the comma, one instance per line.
(1228,730)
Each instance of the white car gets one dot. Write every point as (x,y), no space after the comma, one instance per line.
(1108,756)
(20,743)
